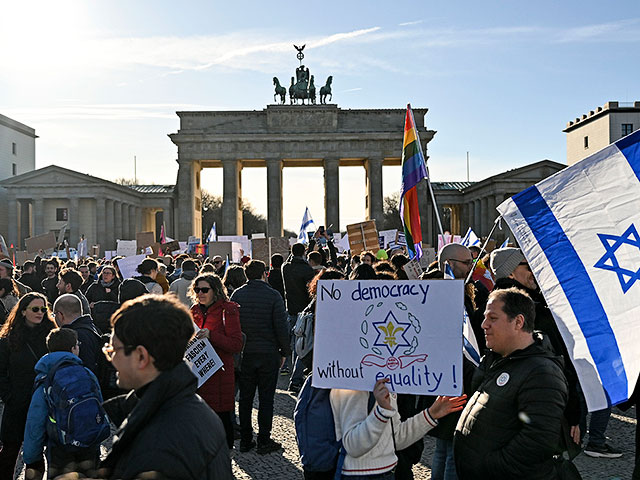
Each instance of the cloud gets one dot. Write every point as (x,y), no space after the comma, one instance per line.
(410,23)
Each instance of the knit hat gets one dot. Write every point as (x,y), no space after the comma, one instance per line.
(6,263)
(505,260)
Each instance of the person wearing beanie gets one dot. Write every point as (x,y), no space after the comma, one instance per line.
(509,262)
(6,271)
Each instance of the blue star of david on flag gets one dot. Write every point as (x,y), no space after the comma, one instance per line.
(609,260)
(391,333)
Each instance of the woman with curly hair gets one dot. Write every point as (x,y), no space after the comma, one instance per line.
(219,321)
(22,343)
(234,278)
(8,297)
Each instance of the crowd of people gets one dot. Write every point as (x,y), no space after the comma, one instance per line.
(125,339)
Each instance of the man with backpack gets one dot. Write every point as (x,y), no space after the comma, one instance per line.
(66,412)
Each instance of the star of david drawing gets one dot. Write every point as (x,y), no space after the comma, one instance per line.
(398,330)
(609,261)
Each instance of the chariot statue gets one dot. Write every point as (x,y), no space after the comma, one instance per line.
(302,86)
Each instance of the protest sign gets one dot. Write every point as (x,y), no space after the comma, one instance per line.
(363,236)
(407,331)
(40,242)
(126,248)
(145,239)
(169,247)
(128,265)
(82,248)
(387,237)
(23,256)
(412,269)
(260,250)
(243,240)
(428,256)
(95,250)
(255,236)
(109,254)
(202,359)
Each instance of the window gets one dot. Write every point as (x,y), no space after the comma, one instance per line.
(627,128)
(14,169)
(61,214)
(586,142)
(14,148)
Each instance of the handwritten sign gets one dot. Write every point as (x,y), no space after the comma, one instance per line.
(412,269)
(126,248)
(407,331)
(128,265)
(202,359)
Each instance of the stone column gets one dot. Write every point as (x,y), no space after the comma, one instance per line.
(231,195)
(188,190)
(117,220)
(484,215)
(132,222)
(12,205)
(24,220)
(101,225)
(373,167)
(74,221)
(38,216)
(477,219)
(167,214)
(332,193)
(464,218)
(126,226)
(110,239)
(274,197)
(139,226)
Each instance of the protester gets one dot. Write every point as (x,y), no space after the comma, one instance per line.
(63,347)
(368,258)
(86,277)
(106,288)
(218,265)
(148,270)
(234,278)
(50,283)
(363,271)
(70,281)
(275,274)
(161,277)
(6,271)
(8,296)
(30,277)
(263,320)
(511,426)
(101,311)
(22,343)
(165,427)
(218,320)
(181,285)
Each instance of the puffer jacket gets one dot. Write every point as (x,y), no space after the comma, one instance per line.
(171,431)
(263,319)
(223,322)
(510,428)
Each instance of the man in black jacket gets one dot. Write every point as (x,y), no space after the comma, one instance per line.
(165,428)
(264,322)
(511,426)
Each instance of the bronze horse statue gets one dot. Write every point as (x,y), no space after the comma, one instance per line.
(326,90)
(312,91)
(280,91)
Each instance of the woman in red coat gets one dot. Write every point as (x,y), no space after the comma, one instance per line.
(219,321)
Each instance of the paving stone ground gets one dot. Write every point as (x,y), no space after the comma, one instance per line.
(286,465)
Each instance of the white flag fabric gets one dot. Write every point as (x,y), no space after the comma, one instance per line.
(578,230)
(307,224)
(213,236)
(470,238)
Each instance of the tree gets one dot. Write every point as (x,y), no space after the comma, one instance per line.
(125,181)
(390,212)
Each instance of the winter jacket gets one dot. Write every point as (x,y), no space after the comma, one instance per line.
(35,432)
(510,428)
(151,284)
(86,309)
(223,322)
(275,280)
(32,280)
(50,288)
(90,341)
(296,274)
(98,291)
(16,380)
(181,286)
(101,313)
(170,430)
(263,319)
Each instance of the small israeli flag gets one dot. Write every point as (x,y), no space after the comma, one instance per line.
(578,230)
(307,224)
(213,236)
(505,243)
(470,238)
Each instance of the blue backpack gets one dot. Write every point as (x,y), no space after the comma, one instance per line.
(315,430)
(76,416)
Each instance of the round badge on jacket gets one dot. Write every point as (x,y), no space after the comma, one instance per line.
(502,380)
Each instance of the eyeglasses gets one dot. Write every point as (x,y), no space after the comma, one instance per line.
(217,262)
(201,289)
(39,309)
(525,264)
(468,263)
(110,350)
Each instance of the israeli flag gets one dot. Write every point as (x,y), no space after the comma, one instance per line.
(578,230)
(213,236)
(307,224)
(470,238)
(505,244)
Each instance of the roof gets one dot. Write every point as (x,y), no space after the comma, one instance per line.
(460,186)
(152,188)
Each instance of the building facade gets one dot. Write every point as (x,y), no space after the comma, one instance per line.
(599,128)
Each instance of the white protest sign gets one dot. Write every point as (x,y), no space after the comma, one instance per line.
(202,359)
(388,237)
(243,240)
(109,254)
(412,269)
(127,248)
(128,265)
(407,331)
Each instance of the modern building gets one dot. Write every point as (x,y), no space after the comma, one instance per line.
(17,156)
(599,128)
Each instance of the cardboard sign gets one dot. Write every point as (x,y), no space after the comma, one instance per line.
(224,249)
(95,250)
(363,236)
(145,239)
(126,248)
(22,256)
(407,331)
(243,240)
(169,247)
(40,242)
(128,265)
(428,256)
(413,270)
(202,359)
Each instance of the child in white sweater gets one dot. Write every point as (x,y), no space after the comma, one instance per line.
(371,438)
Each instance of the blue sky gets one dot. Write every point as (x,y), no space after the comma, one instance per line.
(101,81)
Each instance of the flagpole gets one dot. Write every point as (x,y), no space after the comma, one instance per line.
(482,250)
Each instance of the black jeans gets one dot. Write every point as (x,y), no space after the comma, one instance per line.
(228,426)
(259,371)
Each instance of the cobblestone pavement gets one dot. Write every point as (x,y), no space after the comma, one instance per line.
(286,464)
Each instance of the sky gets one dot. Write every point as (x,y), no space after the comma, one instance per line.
(101,81)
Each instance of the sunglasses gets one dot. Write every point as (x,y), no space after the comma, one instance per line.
(203,289)
(39,309)
(525,264)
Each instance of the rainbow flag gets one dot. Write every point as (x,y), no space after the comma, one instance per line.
(413,170)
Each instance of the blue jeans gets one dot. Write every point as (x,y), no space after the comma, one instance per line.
(598,426)
(443,467)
